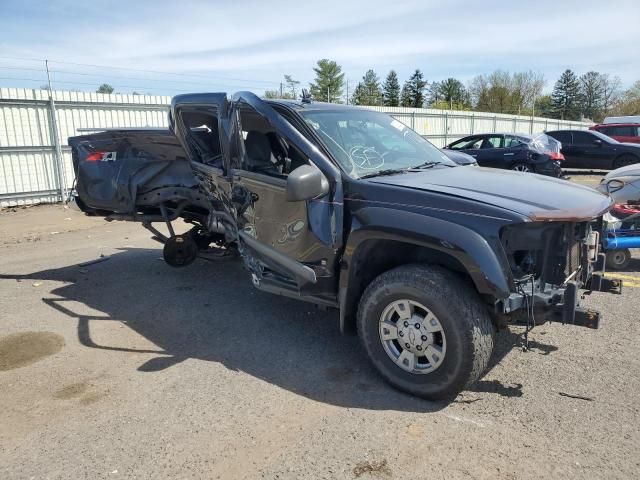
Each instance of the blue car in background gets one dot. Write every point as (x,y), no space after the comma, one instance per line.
(512,151)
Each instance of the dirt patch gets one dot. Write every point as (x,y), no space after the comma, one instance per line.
(84,392)
(380,469)
(92,398)
(42,223)
(71,391)
(22,349)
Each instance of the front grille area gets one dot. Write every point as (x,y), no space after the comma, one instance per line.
(550,252)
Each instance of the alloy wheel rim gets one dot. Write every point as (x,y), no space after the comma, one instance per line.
(412,336)
(522,168)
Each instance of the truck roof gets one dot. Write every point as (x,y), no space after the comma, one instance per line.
(299,105)
(622,120)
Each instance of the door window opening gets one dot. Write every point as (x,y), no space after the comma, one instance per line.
(204,138)
(266,151)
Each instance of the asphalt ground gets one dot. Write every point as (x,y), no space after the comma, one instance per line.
(128,368)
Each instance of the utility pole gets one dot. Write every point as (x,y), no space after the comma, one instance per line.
(533,114)
(56,142)
(328,98)
(347,102)
(280,89)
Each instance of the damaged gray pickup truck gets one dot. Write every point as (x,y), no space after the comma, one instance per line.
(350,209)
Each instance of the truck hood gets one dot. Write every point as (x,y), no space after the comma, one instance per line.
(537,197)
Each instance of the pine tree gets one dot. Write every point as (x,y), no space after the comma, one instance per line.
(371,86)
(359,95)
(453,94)
(565,97)
(415,89)
(391,90)
(329,82)
(405,95)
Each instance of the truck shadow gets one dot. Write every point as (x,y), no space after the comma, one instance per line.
(210,311)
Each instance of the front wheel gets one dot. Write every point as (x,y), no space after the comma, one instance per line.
(618,259)
(425,330)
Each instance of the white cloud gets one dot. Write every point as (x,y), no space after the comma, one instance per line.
(265,39)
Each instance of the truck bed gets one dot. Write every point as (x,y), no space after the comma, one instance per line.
(128,172)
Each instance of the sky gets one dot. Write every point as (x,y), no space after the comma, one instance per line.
(198,45)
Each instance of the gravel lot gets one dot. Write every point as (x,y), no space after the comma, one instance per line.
(128,368)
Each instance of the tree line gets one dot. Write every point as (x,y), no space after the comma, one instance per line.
(592,95)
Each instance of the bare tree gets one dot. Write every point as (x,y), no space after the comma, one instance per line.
(292,85)
(526,87)
(592,95)
(611,92)
(479,90)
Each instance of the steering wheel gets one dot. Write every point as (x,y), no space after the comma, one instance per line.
(366,158)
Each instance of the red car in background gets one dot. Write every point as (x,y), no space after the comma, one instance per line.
(622,132)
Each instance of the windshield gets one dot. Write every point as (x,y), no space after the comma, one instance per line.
(367,143)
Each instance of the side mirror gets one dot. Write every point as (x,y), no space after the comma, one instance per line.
(306,182)
(597,142)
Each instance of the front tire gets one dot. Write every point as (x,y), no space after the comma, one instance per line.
(618,259)
(425,330)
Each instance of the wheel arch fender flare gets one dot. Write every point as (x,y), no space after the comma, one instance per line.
(487,269)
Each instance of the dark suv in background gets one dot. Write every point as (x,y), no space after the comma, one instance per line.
(622,132)
(591,149)
(512,151)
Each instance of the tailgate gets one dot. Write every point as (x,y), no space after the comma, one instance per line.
(114,167)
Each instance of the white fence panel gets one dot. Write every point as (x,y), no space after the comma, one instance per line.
(28,164)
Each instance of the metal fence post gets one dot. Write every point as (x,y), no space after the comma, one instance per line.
(446,126)
(413,120)
(59,161)
(473,117)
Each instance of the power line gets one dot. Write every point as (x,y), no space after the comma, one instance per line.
(23,79)
(22,68)
(102,75)
(159,72)
(217,80)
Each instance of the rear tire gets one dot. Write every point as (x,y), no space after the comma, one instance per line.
(522,167)
(618,259)
(625,160)
(462,338)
